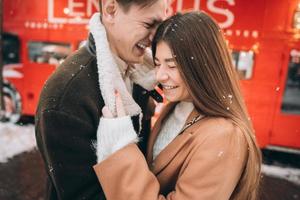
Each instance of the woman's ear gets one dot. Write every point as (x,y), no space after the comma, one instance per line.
(109,10)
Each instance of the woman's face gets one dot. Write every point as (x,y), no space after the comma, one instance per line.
(167,74)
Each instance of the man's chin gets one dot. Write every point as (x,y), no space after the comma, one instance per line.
(136,60)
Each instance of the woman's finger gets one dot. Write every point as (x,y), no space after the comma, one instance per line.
(119,105)
(106,112)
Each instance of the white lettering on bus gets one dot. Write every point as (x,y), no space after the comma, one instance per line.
(72,5)
(212,8)
(73,16)
(196,4)
(90,4)
(179,5)
(230,17)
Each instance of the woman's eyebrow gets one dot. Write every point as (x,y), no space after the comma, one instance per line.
(166,60)
(170,59)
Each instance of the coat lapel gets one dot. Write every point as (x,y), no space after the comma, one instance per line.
(156,129)
(171,150)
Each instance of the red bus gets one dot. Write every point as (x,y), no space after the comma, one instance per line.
(264,36)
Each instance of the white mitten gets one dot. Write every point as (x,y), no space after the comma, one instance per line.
(114,134)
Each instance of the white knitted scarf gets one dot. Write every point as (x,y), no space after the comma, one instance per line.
(110,78)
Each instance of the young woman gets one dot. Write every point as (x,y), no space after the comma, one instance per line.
(202,146)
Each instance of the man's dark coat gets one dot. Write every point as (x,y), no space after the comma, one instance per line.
(66,124)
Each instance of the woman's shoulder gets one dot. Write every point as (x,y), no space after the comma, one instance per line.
(219,136)
(218,129)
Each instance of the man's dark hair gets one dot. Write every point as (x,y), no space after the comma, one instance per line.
(127,3)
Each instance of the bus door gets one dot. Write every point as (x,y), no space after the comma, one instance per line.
(286,125)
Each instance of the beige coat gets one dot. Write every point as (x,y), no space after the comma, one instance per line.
(205,162)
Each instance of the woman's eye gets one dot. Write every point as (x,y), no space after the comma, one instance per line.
(172,66)
(156,64)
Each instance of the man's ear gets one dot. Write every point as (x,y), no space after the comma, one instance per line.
(109,9)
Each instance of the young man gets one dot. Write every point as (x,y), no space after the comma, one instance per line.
(72,99)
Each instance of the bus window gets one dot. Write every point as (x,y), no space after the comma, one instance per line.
(291,99)
(243,63)
(45,52)
(11,46)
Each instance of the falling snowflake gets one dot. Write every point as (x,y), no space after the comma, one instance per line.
(220,153)
(50,169)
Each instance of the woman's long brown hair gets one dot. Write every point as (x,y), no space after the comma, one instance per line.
(205,64)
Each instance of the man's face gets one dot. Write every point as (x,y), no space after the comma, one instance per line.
(132,31)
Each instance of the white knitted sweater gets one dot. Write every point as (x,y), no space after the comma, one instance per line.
(172,126)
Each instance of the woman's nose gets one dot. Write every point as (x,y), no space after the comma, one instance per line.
(161,75)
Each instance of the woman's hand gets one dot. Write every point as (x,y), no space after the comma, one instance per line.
(119,107)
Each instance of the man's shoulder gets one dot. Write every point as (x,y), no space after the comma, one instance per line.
(75,79)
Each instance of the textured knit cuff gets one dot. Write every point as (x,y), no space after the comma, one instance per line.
(143,76)
(114,134)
